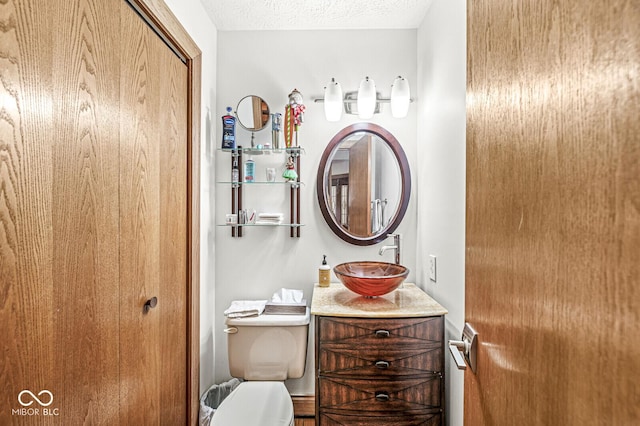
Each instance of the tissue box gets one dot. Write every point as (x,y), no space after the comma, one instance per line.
(286,308)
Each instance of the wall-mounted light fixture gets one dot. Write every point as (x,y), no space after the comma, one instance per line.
(400,97)
(367,98)
(366,101)
(333,101)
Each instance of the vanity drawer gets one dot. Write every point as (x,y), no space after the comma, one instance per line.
(338,419)
(418,395)
(364,332)
(379,361)
(380,347)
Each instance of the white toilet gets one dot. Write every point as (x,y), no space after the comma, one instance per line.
(263,350)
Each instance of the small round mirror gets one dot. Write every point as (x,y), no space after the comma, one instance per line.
(363,184)
(252,113)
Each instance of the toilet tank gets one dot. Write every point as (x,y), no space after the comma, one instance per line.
(268,347)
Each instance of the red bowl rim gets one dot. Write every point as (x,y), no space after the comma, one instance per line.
(405,273)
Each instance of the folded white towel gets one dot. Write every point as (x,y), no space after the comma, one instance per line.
(245,308)
(272,216)
(269,218)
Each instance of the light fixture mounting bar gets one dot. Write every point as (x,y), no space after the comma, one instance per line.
(354,101)
(350,102)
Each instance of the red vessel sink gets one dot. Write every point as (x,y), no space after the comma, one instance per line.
(371,278)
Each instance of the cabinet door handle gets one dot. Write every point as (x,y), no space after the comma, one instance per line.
(149,304)
(456,347)
(465,351)
(382,396)
(382,364)
(382,333)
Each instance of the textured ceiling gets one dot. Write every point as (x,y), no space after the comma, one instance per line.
(234,15)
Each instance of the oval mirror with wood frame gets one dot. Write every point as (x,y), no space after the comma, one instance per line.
(363,184)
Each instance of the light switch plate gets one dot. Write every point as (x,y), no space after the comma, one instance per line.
(432,267)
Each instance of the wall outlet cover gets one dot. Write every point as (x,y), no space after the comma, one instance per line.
(432,267)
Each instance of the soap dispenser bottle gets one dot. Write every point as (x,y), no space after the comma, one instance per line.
(249,170)
(324,273)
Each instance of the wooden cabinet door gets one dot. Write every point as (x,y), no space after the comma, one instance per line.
(153,226)
(153,154)
(93,217)
(59,273)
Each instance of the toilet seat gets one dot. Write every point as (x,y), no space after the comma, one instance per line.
(256,404)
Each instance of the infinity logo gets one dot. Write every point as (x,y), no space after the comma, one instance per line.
(26,404)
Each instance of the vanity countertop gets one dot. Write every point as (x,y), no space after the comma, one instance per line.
(406,301)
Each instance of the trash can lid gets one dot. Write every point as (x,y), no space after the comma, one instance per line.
(256,404)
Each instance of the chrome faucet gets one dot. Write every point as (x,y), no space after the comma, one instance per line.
(395,247)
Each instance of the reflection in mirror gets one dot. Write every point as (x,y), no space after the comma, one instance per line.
(364,180)
(252,113)
(363,184)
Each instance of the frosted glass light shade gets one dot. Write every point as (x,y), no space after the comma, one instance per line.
(366,98)
(333,101)
(400,97)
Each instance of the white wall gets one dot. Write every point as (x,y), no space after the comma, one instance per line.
(195,20)
(441,179)
(267,259)
(270,64)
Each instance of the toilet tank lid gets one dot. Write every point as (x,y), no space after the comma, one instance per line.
(271,320)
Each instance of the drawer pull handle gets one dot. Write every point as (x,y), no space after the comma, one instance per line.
(382,364)
(382,396)
(382,333)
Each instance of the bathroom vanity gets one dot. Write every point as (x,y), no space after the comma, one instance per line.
(379,361)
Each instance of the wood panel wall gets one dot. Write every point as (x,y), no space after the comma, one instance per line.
(553,211)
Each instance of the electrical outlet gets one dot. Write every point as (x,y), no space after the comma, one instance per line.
(432,267)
